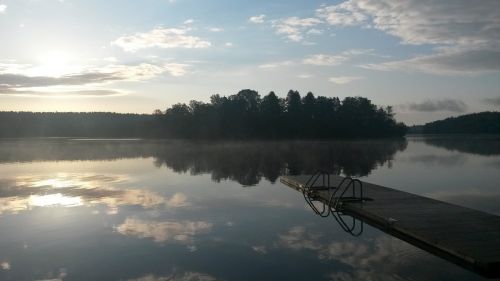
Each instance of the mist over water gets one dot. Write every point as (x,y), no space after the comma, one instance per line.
(87,209)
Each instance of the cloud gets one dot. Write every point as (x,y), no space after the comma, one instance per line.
(188,21)
(16,79)
(345,14)
(176,69)
(257,19)
(3,8)
(294,28)
(314,31)
(446,62)
(5,265)
(178,200)
(320,59)
(185,276)
(332,60)
(451,105)
(422,22)
(369,259)
(467,35)
(260,249)
(343,79)
(58,93)
(276,64)
(297,238)
(167,231)
(492,101)
(228,44)
(165,38)
(323,59)
(216,29)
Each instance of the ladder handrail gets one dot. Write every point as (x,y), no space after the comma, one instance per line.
(335,202)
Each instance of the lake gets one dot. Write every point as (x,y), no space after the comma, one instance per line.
(151,210)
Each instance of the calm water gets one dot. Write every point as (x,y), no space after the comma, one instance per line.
(73,209)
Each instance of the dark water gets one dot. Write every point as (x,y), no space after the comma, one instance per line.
(150,210)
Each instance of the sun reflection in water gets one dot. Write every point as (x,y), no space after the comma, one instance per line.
(55,200)
(81,189)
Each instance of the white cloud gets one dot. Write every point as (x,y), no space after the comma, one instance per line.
(176,69)
(143,71)
(216,29)
(276,64)
(3,8)
(345,13)
(322,59)
(228,44)
(304,76)
(341,80)
(189,21)
(422,21)
(161,38)
(332,60)
(257,19)
(314,31)
(294,28)
(467,34)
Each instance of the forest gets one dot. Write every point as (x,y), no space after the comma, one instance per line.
(245,115)
(475,123)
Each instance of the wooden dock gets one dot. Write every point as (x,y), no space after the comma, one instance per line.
(464,236)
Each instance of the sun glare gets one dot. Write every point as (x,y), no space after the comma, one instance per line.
(54,200)
(55,63)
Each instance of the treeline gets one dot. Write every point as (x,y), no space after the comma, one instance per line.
(247,115)
(244,115)
(475,123)
(76,124)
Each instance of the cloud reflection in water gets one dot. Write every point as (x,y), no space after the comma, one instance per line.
(185,276)
(182,232)
(70,190)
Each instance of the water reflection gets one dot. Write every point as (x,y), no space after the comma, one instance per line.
(183,276)
(244,162)
(439,160)
(479,145)
(69,190)
(167,210)
(173,231)
(360,255)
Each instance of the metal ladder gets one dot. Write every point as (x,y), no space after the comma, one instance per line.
(337,199)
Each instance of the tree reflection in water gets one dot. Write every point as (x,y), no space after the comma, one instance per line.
(248,163)
(244,162)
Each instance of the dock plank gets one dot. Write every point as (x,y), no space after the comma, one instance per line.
(467,237)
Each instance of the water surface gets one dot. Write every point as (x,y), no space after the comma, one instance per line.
(81,209)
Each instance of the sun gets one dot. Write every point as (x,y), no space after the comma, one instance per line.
(55,63)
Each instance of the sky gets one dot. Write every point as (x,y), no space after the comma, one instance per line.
(427,59)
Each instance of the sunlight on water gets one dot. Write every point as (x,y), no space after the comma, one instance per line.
(54,200)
